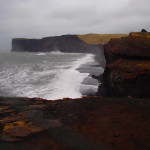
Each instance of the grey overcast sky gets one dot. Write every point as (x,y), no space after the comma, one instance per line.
(41,18)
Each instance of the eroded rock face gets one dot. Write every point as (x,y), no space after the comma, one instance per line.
(33,45)
(131,47)
(127,71)
(65,43)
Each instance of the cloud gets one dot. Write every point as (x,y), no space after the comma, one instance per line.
(38,18)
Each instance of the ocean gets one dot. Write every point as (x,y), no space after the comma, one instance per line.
(50,75)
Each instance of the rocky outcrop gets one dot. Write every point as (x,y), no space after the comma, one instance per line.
(65,43)
(127,71)
(27,45)
(91,123)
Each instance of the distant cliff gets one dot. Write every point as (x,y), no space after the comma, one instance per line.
(65,43)
(127,71)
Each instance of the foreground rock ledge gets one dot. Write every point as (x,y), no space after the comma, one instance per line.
(91,123)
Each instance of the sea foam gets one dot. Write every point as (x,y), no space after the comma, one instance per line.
(41,54)
(67,83)
(51,76)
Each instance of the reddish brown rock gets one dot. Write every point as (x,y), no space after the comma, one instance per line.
(131,47)
(127,72)
(91,123)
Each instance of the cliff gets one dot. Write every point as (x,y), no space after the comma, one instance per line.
(65,43)
(127,71)
(106,123)
(89,123)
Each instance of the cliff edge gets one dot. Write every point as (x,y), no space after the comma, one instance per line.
(127,71)
(64,43)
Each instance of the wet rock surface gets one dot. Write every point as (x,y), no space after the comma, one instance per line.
(127,71)
(86,123)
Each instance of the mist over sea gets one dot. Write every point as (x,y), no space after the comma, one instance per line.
(51,75)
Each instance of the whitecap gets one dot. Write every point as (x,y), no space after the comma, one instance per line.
(57,52)
(67,82)
(40,80)
(41,54)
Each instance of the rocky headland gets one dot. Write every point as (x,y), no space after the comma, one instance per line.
(127,71)
(64,43)
(120,120)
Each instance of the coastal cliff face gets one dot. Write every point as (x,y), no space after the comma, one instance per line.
(127,71)
(65,43)
(21,44)
(93,122)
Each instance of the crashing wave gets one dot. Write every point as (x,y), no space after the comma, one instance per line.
(41,54)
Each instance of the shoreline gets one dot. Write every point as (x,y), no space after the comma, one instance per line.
(94,69)
(119,121)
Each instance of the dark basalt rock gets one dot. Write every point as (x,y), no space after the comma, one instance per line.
(27,45)
(143,30)
(65,43)
(127,71)
(88,123)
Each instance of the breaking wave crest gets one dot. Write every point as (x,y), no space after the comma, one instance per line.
(45,78)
